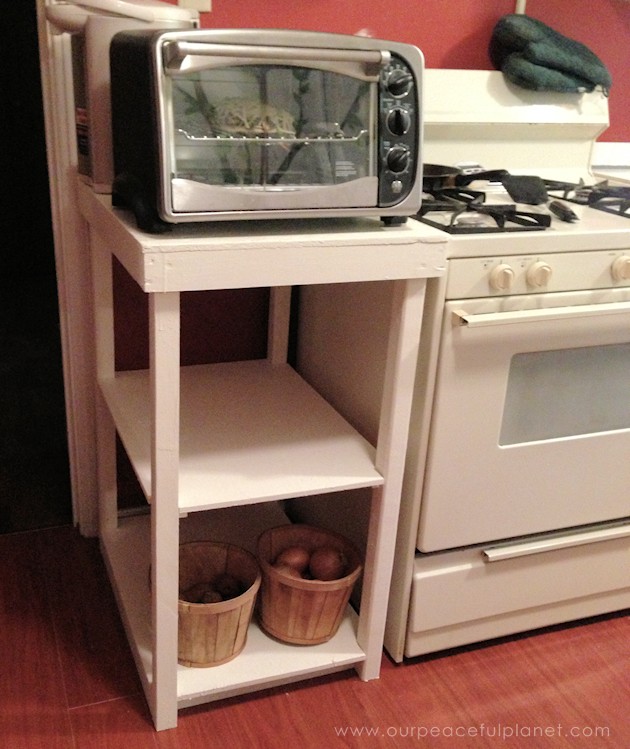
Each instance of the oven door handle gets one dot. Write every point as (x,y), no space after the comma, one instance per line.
(176,52)
(511,551)
(470,320)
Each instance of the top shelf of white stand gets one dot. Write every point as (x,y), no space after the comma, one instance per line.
(241,254)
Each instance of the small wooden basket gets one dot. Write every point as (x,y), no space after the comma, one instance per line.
(214,633)
(295,610)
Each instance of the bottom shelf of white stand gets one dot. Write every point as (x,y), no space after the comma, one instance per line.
(264,662)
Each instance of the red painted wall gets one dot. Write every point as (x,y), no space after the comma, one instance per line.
(453,33)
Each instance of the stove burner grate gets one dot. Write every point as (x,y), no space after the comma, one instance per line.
(601,196)
(573,192)
(614,200)
(463,211)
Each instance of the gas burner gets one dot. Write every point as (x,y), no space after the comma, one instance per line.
(462,211)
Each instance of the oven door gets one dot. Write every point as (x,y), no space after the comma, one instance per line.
(257,129)
(530,429)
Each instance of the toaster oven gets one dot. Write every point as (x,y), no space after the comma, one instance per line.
(217,125)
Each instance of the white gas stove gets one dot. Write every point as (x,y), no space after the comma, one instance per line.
(515,508)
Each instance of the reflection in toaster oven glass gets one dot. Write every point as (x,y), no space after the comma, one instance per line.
(272,125)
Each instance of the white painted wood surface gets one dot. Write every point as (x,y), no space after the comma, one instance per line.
(249,432)
(400,368)
(244,254)
(164,428)
(239,436)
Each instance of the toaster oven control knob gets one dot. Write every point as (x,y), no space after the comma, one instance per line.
(399,82)
(398,121)
(539,274)
(621,268)
(501,277)
(397,159)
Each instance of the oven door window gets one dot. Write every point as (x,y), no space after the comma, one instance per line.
(273,133)
(551,394)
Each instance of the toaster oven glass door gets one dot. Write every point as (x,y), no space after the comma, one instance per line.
(252,135)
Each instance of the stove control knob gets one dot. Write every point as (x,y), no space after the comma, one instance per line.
(501,277)
(621,268)
(539,274)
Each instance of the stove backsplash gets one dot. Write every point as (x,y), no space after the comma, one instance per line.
(477,116)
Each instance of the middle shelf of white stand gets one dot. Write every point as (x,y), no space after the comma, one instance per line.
(250,432)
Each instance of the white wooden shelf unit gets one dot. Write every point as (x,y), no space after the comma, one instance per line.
(216,446)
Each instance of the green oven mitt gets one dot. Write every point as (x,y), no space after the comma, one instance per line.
(534,56)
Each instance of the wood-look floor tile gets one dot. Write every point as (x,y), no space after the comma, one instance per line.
(93,650)
(33,708)
(299,715)
(550,684)
(344,713)
(116,724)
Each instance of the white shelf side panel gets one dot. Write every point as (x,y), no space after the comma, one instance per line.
(250,432)
(264,660)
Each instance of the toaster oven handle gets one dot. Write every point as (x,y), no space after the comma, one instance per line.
(175,52)
(485,319)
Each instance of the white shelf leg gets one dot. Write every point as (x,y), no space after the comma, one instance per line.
(398,385)
(164,320)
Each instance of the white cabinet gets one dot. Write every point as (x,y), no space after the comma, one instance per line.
(215,447)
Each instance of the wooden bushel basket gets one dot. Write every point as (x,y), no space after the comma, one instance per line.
(214,633)
(295,610)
